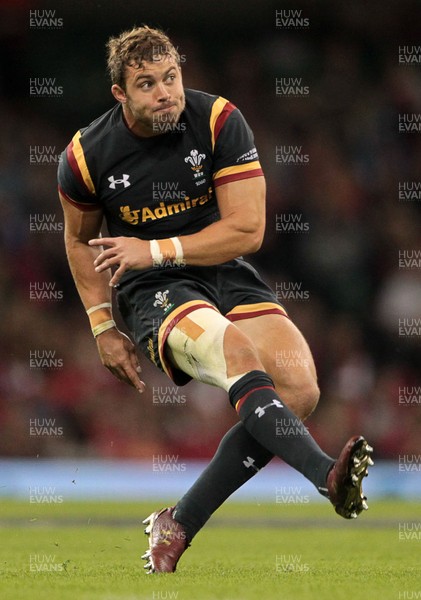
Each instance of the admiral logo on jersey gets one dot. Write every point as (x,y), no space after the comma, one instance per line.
(136,216)
(129,216)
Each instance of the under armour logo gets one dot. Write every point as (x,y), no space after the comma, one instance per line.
(249,463)
(261,411)
(124,180)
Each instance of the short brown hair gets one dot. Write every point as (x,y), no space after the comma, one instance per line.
(132,48)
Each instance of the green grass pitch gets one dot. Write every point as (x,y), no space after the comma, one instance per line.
(90,551)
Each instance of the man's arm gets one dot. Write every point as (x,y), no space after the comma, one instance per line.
(239,231)
(115,349)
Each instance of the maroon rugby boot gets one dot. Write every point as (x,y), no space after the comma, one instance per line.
(167,542)
(344,481)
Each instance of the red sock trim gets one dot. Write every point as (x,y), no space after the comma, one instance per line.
(241,401)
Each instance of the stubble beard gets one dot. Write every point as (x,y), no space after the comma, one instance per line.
(156,123)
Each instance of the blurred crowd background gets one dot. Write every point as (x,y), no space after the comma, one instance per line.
(346,289)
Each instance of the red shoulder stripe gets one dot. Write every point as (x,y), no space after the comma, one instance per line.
(223,116)
(79,205)
(74,165)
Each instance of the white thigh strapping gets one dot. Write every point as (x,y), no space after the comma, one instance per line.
(196,346)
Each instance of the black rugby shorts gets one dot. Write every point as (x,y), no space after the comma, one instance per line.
(152,302)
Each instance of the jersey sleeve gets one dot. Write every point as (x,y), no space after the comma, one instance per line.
(235,154)
(75,183)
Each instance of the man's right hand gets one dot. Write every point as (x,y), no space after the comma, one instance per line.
(118,354)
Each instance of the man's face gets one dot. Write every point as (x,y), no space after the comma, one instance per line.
(154,96)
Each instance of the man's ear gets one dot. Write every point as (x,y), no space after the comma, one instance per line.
(118,93)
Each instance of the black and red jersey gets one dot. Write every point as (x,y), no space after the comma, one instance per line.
(160,186)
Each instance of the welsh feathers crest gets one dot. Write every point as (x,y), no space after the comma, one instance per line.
(195,159)
(162,300)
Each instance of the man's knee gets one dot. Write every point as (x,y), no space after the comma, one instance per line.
(300,394)
(209,348)
(309,398)
(241,356)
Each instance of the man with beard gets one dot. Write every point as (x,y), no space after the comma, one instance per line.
(177,177)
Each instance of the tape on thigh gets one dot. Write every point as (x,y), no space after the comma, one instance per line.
(196,344)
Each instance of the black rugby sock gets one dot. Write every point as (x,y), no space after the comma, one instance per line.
(238,458)
(277,428)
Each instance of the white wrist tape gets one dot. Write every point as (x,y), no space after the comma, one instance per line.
(105,326)
(179,254)
(157,256)
(97,307)
(167,252)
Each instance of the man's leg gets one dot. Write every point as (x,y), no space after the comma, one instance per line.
(210,349)
(286,357)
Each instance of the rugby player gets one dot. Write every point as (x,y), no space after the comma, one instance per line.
(178,262)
